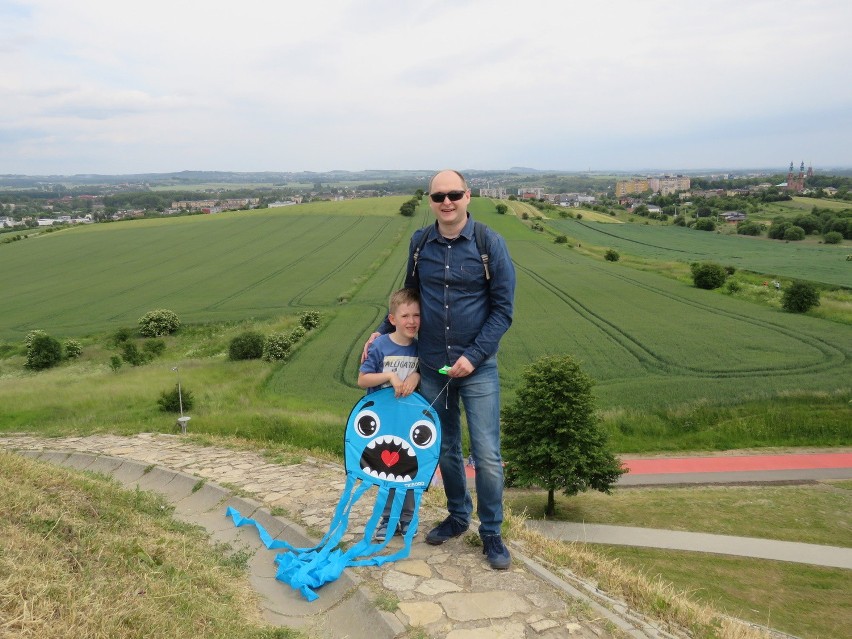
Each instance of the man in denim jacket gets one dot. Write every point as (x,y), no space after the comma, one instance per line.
(464,314)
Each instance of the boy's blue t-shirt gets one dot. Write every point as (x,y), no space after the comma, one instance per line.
(386,356)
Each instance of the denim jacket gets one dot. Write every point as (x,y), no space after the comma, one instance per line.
(461,313)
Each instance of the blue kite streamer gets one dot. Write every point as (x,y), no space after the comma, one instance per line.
(390,443)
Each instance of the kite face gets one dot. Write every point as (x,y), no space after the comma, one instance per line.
(391,447)
(392,441)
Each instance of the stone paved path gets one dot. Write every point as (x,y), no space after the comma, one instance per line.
(448,591)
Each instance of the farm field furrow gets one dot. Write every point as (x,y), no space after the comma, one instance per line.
(795,260)
(647,340)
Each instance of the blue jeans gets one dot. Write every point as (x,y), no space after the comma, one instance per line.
(480,395)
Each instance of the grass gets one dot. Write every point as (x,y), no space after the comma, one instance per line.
(815,514)
(807,601)
(84,558)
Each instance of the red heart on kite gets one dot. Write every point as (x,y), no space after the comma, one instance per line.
(390,457)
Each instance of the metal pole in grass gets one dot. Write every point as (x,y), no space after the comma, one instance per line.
(181,420)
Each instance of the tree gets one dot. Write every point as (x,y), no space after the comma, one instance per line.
(551,435)
(611,255)
(159,322)
(43,352)
(708,275)
(502,208)
(800,297)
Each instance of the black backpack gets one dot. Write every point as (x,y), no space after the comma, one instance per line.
(479,234)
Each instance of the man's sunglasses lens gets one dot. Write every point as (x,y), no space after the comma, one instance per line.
(454,196)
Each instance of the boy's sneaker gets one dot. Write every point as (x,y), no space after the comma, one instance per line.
(402,528)
(497,554)
(447,529)
(382,531)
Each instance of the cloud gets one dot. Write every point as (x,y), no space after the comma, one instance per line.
(368,84)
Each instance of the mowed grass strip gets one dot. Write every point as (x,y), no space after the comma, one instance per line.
(83,558)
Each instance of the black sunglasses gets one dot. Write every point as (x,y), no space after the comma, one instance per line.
(454,196)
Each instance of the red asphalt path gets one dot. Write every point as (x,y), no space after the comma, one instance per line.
(722,464)
(736,463)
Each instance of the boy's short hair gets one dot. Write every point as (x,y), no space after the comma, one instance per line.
(402,296)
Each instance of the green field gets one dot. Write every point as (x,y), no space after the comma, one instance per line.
(822,263)
(650,342)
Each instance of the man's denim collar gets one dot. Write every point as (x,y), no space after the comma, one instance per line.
(467,230)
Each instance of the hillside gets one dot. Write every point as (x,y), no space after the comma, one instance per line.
(650,342)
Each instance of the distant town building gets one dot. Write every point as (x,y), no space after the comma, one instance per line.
(498,193)
(531,192)
(200,205)
(630,187)
(665,185)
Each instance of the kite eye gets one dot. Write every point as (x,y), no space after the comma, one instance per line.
(367,423)
(423,434)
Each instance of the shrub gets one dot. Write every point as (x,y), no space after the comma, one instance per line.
(800,297)
(159,322)
(612,255)
(248,345)
(297,333)
(833,237)
(276,347)
(502,208)
(310,319)
(705,224)
(749,228)
(153,348)
(122,335)
(43,352)
(73,349)
(733,286)
(561,239)
(171,401)
(794,234)
(708,275)
(115,363)
(28,340)
(130,353)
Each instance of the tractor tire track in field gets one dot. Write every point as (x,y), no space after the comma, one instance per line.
(653,361)
(649,361)
(834,357)
(625,239)
(273,274)
(166,250)
(296,300)
(249,243)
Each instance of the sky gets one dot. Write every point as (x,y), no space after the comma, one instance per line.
(109,87)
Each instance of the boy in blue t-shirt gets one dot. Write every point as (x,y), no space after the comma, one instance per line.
(392,361)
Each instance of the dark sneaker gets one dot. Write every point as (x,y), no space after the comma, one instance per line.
(402,529)
(497,554)
(382,531)
(447,529)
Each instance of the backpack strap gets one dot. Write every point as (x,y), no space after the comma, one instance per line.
(479,234)
(479,230)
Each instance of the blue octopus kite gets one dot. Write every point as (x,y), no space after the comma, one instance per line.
(390,443)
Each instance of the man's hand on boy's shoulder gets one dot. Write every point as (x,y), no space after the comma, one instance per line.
(370,340)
